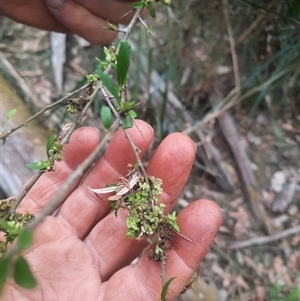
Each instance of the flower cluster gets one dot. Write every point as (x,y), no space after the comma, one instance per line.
(146,218)
(12,226)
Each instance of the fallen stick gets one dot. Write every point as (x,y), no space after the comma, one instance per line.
(264,239)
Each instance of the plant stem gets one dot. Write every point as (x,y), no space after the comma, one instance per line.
(60,196)
(21,196)
(47,108)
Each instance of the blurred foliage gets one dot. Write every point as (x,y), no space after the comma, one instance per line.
(278,293)
(192,47)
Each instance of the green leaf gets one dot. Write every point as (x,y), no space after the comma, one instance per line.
(50,143)
(152,11)
(126,105)
(8,116)
(107,54)
(123,61)
(107,82)
(127,122)
(11,113)
(23,275)
(138,5)
(4,264)
(25,239)
(165,289)
(106,116)
(111,26)
(132,114)
(41,166)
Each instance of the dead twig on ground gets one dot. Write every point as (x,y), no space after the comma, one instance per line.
(264,239)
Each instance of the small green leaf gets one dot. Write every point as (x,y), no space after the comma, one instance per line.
(106,116)
(138,5)
(165,289)
(8,116)
(11,113)
(152,11)
(50,143)
(111,26)
(107,82)
(41,166)
(132,114)
(149,31)
(23,275)
(4,264)
(33,165)
(107,54)
(25,239)
(127,122)
(123,61)
(127,105)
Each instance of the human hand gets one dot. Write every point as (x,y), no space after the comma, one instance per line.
(86,18)
(83,253)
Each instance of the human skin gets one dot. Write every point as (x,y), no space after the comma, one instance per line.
(86,18)
(82,253)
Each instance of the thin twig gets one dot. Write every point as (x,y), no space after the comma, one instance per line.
(58,199)
(141,166)
(116,30)
(99,84)
(229,101)
(233,52)
(49,107)
(106,97)
(163,268)
(132,23)
(45,109)
(21,82)
(60,196)
(264,239)
(147,28)
(21,196)
(162,262)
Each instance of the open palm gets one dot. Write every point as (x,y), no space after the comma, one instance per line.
(83,254)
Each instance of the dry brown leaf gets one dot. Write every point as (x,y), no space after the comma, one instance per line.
(293,262)
(242,225)
(260,292)
(288,127)
(250,262)
(295,240)
(236,202)
(287,279)
(271,275)
(220,241)
(241,282)
(224,230)
(227,278)
(206,291)
(278,265)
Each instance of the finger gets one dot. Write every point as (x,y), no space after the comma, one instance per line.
(112,10)
(81,144)
(142,281)
(82,210)
(172,163)
(79,20)
(33,13)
